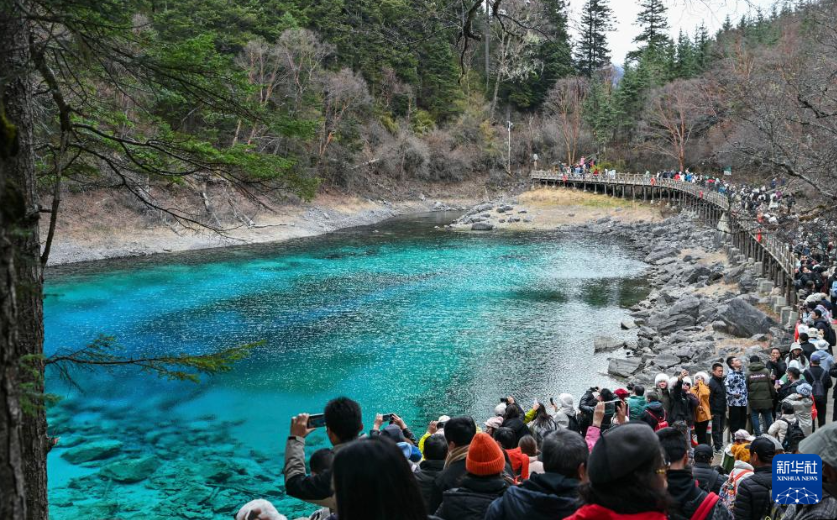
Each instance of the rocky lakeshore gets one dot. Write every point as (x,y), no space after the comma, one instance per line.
(703,305)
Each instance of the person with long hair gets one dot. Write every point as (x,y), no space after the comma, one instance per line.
(626,475)
(372,481)
(542,424)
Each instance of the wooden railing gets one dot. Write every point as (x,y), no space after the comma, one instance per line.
(780,250)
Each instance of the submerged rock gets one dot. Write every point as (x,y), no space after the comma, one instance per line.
(92,451)
(482,226)
(130,470)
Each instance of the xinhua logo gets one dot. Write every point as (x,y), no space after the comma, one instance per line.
(797,479)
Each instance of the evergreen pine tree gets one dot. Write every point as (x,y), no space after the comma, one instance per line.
(727,27)
(701,48)
(599,111)
(554,52)
(654,25)
(439,91)
(686,63)
(592,51)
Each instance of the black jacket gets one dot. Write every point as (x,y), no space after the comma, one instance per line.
(688,497)
(587,405)
(808,349)
(753,498)
(788,389)
(654,414)
(717,396)
(518,427)
(425,476)
(777,368)
(707,477)
(683,404)
(447,479)
(815,373)
(471,499)
(547,496)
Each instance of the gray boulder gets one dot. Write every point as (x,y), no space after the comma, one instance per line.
(130,470)
(96,450)
(688,305)
(659,254)
(698,272)
(666,360)
(666,324)
(628,324)
(482,226)
(623,367)
(743,320)
(607,344)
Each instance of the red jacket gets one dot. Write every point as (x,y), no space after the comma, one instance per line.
(596,512)
(519,462)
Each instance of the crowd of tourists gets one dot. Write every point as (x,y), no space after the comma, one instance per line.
(629,453)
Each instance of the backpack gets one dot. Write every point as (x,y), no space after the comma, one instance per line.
(573,424)
(661,423)
(709,484)
(705,509)
(818,387)
(793,436)
(775,512)
(730,488)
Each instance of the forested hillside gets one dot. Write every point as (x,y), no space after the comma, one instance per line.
(289,95)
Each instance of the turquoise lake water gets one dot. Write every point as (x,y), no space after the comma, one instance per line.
(400,316)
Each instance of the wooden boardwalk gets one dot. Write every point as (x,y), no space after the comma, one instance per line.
(771,255)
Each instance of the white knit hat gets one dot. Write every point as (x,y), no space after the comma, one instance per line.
(267,511)
(660,378)
(702,375)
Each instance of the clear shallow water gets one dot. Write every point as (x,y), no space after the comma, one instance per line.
(401,317)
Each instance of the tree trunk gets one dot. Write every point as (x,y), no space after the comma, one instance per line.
(24,248)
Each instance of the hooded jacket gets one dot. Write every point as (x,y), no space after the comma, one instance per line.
(472,498)
(688,497)
(426,475)
(544,496)
(802,410)
(760,388)
(654,413)
(636,405)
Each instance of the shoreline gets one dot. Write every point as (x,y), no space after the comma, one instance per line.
(86,238)
(289,222)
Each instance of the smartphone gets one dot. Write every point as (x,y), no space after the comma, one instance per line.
(441,425)
(387,417)
(504,400)
(316,420)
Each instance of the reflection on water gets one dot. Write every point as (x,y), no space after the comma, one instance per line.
(408,319)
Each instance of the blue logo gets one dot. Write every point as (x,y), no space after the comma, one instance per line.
(797,479)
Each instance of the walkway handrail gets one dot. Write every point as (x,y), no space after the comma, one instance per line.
(778,249)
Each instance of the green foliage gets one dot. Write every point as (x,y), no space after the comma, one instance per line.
(654,23)
(439,91)
(592,51)
(422,122)
(600,112)
(105,353)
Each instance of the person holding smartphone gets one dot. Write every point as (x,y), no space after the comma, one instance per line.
(343,424)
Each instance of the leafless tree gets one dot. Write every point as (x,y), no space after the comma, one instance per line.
(565,101)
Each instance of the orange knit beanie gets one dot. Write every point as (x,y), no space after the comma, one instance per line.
(484,456)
